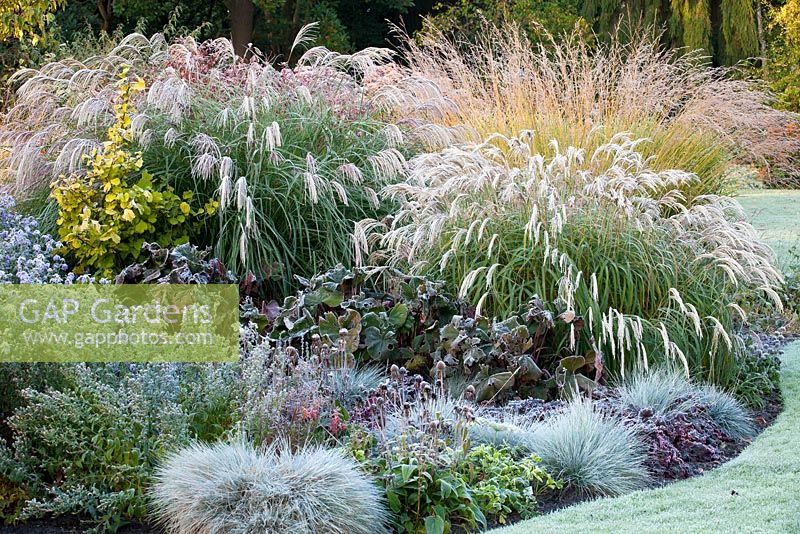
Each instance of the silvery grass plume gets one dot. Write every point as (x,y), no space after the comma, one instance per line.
(62,109)
(603,232)
(67,100)
(235,488)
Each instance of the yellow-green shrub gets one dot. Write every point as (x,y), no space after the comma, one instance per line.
(105,215)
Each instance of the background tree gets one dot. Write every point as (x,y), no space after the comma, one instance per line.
(242,17)
(21,19)
(726,29)
(783,66)
(344,25)
(203,18)
(533,16)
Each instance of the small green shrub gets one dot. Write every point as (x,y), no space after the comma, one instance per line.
(502,485)
(591,452)
(209,395)
(426,497)
(235,487)
(91,448)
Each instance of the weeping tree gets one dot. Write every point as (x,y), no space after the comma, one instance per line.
(728,30)
(738,34)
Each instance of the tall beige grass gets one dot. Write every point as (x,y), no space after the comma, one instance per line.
(696,118)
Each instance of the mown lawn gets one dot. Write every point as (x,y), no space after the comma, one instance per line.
(757,491)
(776,215)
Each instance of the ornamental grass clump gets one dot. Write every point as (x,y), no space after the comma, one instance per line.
(654,278)
(591,452)
(663,391)
(292,155)
(700,119)
(235,487)
(727,413)
(667,392)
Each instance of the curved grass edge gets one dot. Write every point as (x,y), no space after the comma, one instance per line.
(754,492)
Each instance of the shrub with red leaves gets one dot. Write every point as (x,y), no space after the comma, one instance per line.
(683,444)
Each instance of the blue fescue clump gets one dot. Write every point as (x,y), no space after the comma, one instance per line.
(28,255)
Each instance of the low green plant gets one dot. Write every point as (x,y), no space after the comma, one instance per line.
(209,395)
(388,316)
(502,485)
(759,378)
(427,498)
(592,453)
(384,315)
(235,487)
